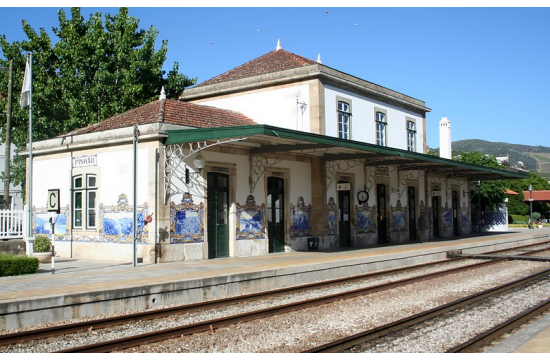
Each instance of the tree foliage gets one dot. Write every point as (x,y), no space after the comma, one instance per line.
(492,192)
(96,69)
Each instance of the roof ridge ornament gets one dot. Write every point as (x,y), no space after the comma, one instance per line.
(279,47)
(319,58)
(162,94)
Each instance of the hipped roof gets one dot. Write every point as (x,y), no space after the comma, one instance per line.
(170,112)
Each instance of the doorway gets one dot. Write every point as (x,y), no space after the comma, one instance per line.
(276,214)
(435,215)
(456,229)
(218,215)
(412,213)
(344,221)
(381,211)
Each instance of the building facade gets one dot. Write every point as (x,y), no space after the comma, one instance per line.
(279,154)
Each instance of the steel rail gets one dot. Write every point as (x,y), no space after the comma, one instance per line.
(496,332)
(365,336)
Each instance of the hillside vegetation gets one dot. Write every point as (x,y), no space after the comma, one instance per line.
(535,158)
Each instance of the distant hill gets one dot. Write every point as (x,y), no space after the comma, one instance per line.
(535,158)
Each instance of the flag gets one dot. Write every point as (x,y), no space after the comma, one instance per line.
(26,89)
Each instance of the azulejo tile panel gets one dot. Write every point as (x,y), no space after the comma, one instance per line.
(465,212)
(42,225)
(187,221)
(398,217)
(300,216)
(332,209)
(366,219)
(447,216)
(116,222)
(251,221)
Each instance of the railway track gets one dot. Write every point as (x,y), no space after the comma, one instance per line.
(476,343)
(211,325)
(417,319)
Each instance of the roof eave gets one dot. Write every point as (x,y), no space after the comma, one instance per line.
(303,73)
(407,160)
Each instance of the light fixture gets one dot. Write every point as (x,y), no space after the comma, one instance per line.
(199,162)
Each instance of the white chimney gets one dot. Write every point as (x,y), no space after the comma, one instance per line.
(445,138)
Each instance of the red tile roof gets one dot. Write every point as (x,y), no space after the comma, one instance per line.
(170,112)
(276,60)
(538,195)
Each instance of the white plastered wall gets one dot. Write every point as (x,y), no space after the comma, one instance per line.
(363,119)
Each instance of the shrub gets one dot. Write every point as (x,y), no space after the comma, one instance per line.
(41,244)
(11,265)
(536,216)
(519,219)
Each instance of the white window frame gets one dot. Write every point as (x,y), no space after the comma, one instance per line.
(85,216)
(344,118)
(411,134)
(381,126)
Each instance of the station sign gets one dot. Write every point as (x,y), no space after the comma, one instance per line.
(53,200)
(344,187)
(84,161)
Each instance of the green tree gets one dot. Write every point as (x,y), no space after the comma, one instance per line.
(94,71)
(492,191)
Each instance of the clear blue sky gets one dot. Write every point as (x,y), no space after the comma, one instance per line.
(486,69)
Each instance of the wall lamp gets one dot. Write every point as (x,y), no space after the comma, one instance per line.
(199,163)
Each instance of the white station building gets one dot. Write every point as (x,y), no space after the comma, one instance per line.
(279,154)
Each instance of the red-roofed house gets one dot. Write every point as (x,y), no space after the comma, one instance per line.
(279,154)
(538,195)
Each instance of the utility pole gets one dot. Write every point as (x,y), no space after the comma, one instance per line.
(7,177)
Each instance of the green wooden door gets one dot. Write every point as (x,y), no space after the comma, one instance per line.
(382,214)
(218,215)
(345,217)
(276,214)
(412,213)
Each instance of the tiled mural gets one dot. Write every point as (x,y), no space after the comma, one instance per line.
(424,218)
(366,219)
(398,217)
(42,224)
(300,216)
(332,210)
(187,224)
(116,222)
(251,220)
(465,214)
(447,215)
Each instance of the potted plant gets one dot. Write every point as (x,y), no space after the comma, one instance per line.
(42,249)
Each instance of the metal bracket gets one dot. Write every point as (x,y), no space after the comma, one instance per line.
(174,164)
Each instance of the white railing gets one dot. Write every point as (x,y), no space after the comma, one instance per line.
(11,224)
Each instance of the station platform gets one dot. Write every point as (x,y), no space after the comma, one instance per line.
(80,288)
